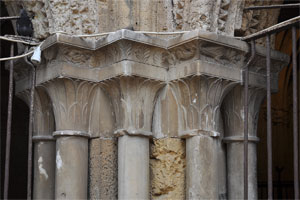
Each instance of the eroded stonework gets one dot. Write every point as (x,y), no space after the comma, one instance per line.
(167,169)
(226,17)
(103,182)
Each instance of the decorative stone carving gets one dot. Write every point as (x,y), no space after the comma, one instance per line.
(233,111)
(133,101)
(70,98)
(135,86)
(225,17)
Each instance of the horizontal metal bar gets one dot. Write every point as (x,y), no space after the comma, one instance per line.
(9,18)
(273,29)
(295,5)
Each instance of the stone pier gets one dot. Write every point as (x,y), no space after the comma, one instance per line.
(135,115)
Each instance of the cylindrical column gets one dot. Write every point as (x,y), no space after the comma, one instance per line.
(233,107)
(235,171)
(44,167)
(133,167)
(71,165)
(201,168)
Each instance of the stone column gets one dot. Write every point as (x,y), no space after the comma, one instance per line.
(44,145)
(133,101)
(201,124)
(71,100)
(233,109)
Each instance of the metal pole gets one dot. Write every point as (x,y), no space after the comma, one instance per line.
(295,115)
(269,120)
(295,5)
(246,88)
(29,172)
(8,127)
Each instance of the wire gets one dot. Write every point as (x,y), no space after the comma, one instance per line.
(91,35)
(103,34)
(16,57)
(16,40)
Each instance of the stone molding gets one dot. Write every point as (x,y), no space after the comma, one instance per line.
(240,138)
(129,53)
(38,138)
(70,133)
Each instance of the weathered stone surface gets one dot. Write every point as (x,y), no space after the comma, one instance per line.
(44,170)
(167,169)
(71,167)
(103,169)
(133,167)
(76,17)
(257,20)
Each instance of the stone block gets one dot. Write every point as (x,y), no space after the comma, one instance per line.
(167,169)
(103,183)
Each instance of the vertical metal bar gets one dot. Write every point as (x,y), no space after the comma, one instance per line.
(8,127)
(269,122)
(246,89)
(29,172)
(295,114)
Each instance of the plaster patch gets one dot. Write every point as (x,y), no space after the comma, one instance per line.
(41,169)
(59,162)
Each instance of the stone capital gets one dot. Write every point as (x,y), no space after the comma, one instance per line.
(233,111)
(133,100)
(71,103)
(44,123)
(193,107)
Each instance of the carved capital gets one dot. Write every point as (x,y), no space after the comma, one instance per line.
(233,111)
(193,107)
(133,101)
(71,103)
(44,123)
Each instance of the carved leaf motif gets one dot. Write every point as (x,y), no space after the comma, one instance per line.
(76,56)
(142,53)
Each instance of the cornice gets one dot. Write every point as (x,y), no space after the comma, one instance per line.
(129,53)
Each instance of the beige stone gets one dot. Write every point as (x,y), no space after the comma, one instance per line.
(167,169)
(103,169)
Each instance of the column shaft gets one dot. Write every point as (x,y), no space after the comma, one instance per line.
(235,163)
(44,170)
(201,169)
(71,167)
(133,167)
